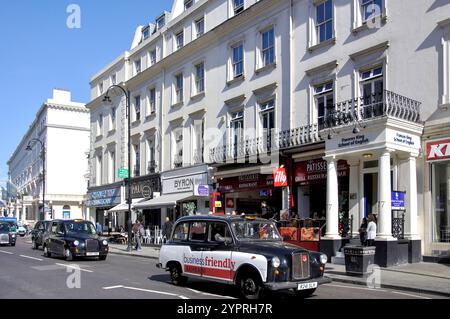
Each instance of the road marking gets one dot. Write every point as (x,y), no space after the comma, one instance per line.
(350,287)
(410,295)
(73,267)
(208,294)
(33,258)
(6,252)
(146,290)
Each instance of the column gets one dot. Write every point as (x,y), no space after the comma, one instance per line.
(411,218)
(384,227)
(354,196)
(332,200)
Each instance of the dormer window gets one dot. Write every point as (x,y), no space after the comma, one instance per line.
(161,22)
(238,6)
(188,4)
(145,33)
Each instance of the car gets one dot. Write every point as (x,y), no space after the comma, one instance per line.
(7,236)
(21,231)
(245,251)
(73,239)
(39,233)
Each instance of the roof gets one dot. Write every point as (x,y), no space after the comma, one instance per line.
(228,218)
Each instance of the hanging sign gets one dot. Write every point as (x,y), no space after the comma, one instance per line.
(280,177)
(398,200)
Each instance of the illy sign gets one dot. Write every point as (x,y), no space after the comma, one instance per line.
(438,150)
(280,177)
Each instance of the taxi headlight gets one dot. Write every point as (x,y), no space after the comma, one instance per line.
(13,235)
(323,259)
(276,262)
(76,243)
(105,242)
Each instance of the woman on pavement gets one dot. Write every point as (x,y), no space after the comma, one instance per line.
(371,230)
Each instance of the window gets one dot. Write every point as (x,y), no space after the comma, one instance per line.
(218,232)
(199,131)
(112,167)
(371,9)
(200,27)
(324,101)
(179,88)
(188,4)
(268,47)
(200,78)
(238,60)
(137,108)
(113,79)
(238,6)
(179,38)
(372,89)
(237,131)
(152,57)
(137,66)
(98,170)
(441,198)
(324,21)
(267,110)
(145,32)
(181,232)
(137,160)
(178,148)
(66,212)
(151,168)
(112,116)
(198,231)
(100,88)
(161,22)
(152,102)
(100,125)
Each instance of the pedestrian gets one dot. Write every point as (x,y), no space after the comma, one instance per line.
(363,231)
(136,234)
(371,230)
(167,229)
(98,228)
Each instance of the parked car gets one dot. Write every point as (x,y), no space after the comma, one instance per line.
(242,250)
(7,236)
(39,233)
(73,239)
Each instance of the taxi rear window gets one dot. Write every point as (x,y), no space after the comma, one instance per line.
(198,231)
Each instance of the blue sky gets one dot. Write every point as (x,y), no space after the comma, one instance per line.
(39,52)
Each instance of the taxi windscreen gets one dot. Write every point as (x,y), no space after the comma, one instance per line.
(255,230)
(80,227)
(4,228)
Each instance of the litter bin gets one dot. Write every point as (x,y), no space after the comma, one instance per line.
(358,259)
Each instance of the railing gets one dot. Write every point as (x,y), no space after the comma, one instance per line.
(398,226)
(151,168)
(372,106)
(264,145)
(346,227)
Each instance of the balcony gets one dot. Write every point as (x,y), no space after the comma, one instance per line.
(151,167)
(275,141)
(388,104)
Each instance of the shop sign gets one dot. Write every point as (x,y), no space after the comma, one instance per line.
(398,200)
(246,182)
(280,177)
(184,184)
(353,141)
(201,190)
(218,204)
(144,188)
(315,171)
(104,198)
(438,150)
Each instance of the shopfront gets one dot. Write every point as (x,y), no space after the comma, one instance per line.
(100,201)
(438,219)
(184,192)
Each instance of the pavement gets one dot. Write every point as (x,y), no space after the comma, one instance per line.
(428,278)
(27,274)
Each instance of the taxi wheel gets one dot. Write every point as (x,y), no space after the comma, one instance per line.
(176,277)
(47,253)
(102,257)
(34,245)
(304,293)
(251,287)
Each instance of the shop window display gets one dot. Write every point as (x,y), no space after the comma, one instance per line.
(441,194)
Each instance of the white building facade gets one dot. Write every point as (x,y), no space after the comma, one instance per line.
(341,93)
(63,127)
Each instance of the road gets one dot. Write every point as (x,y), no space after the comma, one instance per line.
(27,274)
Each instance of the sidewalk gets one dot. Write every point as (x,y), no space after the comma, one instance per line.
(147,251)
(421,277)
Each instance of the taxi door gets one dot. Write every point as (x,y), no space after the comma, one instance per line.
(192,258)
(217,261)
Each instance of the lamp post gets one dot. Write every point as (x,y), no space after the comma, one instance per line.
(30,148)
(127,180)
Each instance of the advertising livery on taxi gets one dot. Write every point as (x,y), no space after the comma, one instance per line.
(242,250)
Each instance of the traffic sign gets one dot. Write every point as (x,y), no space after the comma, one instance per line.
(123,173)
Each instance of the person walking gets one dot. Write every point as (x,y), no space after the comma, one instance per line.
(98,228)
(136,234)
(363,231)
(371,230)
(167,229)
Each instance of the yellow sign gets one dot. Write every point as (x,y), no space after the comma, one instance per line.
(218,204)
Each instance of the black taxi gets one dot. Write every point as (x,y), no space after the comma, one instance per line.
(242,250)
(7,235)
(74,239)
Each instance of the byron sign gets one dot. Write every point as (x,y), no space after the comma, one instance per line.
(184,183)
(438,150)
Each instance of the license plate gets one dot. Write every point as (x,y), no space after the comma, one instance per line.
(4,242)
(305,286)
(92,254)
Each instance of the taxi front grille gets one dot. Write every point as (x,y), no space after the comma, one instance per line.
(4,238)
(91,245)
(300,266)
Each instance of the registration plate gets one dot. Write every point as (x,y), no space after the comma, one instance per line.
(92,254)
(4,242)
(305,286)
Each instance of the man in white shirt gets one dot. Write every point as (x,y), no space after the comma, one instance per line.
(371,230)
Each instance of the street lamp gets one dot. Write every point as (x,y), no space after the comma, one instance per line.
(30,148)
(127,180)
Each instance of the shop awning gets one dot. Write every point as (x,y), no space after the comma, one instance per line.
(164,200)
(123,207)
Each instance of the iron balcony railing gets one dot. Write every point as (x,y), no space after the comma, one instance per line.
(178,161)
(151,167)
(270,142)
(386,104)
